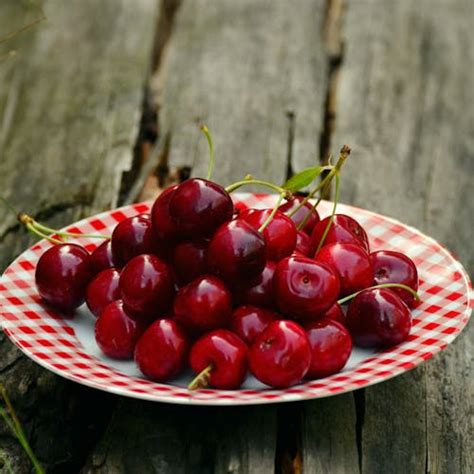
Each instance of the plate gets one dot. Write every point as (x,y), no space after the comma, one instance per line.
(67,346)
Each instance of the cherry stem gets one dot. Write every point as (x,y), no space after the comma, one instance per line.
(41,235)
(8,205)
(48,230)
(272,214)
(232,187)
(207,134)
(202,379)
(384,285)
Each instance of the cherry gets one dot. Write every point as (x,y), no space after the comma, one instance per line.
(62,275)
(103,290)
(280,356)
(221,359)
(331,346)
(344,230)
(259,290)
(147,286)
(279,235)
(163,225)
(189,260)
(203,304)
(304,289)
(162,350)
(378,317)
(335,313)
(303,243)
(199,206)
(395,267)
(352,264)
(249,321)
(236,252)
(302,213)
(116,333)
(102,258)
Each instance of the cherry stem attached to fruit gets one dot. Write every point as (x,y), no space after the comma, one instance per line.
(202,379)
(272,214)
(232,187)
(210,166)
(384,285)
(48,230)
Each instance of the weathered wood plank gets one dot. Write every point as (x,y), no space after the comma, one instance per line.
(69,113)
(405,82)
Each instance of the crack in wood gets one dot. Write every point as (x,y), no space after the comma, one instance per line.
(359,401)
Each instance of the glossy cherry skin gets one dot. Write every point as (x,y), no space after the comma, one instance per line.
(344,230)
(280,356)
(163,225)
(303,243)
(62,275)
(351,263)
(331,346)
(203,305)
(258,290)
(131,237)
(378,318)
(395,267)
(226,353)
(236,252)
(279,235)
(116,333)
(162,351)
(102,258)
(189,260)
(103,290)
(199,206)
(335,313)
(301,214)
(249,321)
(147,286)
(304,289)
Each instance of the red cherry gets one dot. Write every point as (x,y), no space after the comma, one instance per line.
(147,286)
(331,346)
(62,275)
(101,258)
(395,267)
(335,313)
(249,321)
(203,304)
(259,290)
(103,290)
(301,214)
(280,356)
(225,354)
(344,230)
(163,225)
(116,333)
(304,289)
(189,260)
(279,235)
(378,317)
(162,350)
(199,206)
(303,244)
(352,264)
(236,252)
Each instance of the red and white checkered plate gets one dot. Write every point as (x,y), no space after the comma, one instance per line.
(67,346)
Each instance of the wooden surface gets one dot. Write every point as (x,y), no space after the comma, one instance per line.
(279,83)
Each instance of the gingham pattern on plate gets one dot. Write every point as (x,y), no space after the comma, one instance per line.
(47,338)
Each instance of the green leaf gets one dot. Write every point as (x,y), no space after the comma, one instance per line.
(303,178)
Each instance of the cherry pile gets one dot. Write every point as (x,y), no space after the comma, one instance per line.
(226,291)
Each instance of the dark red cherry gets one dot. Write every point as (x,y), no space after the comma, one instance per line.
(279,235)
(300,215)
(378,318)
(203,304)
(199,206)
(116,333)
(62,275)
(303,243)
(304,289)
(236,252)
(189,260)
(226,355)
(395,267)
(331,346)
(103,290)
(280,356)
(161,352)
(163,225)
(343,230)
(335,313)
(351,263)
(258,290)
(249,321)
(101,258)
(147,287)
